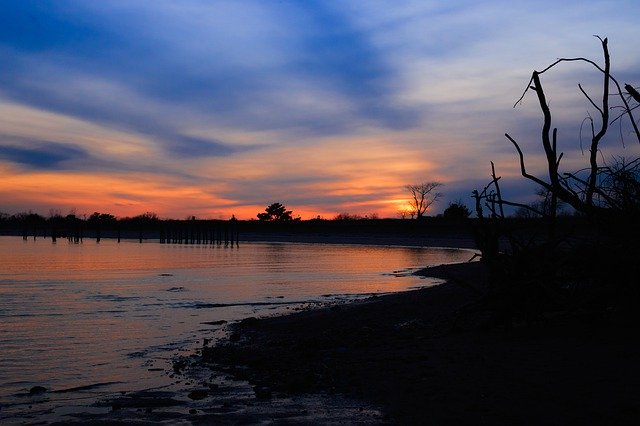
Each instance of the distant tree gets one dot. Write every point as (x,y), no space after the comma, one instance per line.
(101,218)
(423,195)
(54,214)
(347,216)
(276,212)
(147,217)
(29,218)
(403,213)
(456,211)
(540,207)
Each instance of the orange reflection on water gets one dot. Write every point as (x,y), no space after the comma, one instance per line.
(76,314)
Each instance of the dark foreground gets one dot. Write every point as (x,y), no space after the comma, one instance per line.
(436,356)
(432,356)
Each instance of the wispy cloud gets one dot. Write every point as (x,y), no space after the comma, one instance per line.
(40,154)
(331,105)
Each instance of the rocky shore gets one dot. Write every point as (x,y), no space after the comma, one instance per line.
(431,356)
(436,356)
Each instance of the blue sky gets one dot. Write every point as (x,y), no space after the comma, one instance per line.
(213,108)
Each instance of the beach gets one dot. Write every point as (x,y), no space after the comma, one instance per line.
(436,356)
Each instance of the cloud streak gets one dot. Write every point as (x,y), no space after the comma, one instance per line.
(41,155)
(323,106)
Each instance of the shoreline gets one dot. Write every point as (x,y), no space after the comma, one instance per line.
(432,355)
(435,355)
(462,241)
(44,399)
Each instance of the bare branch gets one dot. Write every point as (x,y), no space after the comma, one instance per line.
(514,204)
(590,100)
(495,181)
(423,196)
(523,169)
(623,113)
(585,183)
(633,92)
(593,159)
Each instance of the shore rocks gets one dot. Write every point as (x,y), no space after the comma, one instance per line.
(37,390)
(262,392)
(198,394)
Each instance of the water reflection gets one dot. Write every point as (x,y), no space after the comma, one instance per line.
(72,314)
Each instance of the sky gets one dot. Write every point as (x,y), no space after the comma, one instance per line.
(211,108)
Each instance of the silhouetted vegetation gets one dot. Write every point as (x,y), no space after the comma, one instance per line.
(423,195)
(558,265)
(456,211)
(276,212)
(351,216)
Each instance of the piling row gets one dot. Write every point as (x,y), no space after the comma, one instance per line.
(170,232)
(226,234)
(76,236)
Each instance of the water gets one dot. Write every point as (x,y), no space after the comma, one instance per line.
(113,315)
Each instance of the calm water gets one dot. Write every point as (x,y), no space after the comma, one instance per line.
(81,314)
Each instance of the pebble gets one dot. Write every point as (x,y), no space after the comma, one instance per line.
(198,394)
(37,390)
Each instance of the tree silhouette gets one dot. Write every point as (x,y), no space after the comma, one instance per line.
(584,191)
(565,266)
(275,212)
(456,211)
(423,195)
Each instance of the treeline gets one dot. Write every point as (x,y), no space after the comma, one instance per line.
(105,225)
(193,230)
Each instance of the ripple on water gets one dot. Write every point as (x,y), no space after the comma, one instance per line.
(73,316)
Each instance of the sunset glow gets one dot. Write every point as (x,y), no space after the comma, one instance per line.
(219,108)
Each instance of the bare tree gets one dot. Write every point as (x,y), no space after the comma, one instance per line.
(423,195)
(585,194)
(531,271)
(404,212)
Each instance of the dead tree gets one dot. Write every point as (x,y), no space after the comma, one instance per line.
(584,194)
(531,274)
(423,195)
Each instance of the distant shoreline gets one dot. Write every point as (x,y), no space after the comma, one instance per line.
(456,240)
